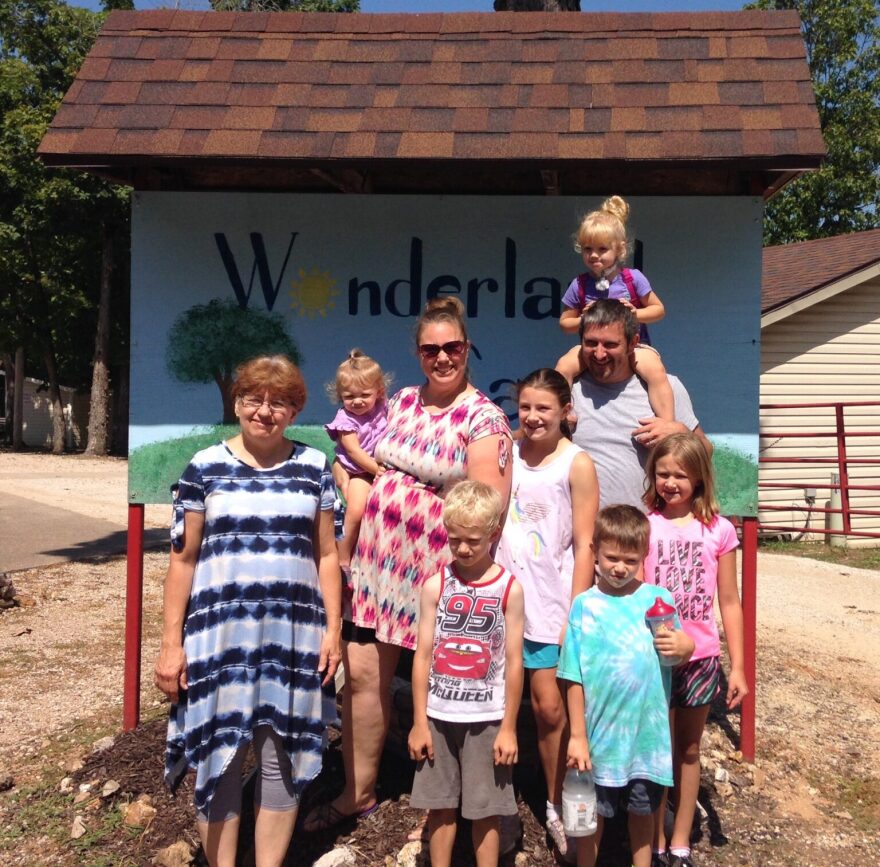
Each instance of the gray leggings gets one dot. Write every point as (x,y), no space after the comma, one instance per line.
(274,789)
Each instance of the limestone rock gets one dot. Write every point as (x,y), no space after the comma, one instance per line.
(341,856)
(66,786)
(179,854)
(111,787)
(411,855)
(139,814)
(103,744)
(721,775)
(78,828)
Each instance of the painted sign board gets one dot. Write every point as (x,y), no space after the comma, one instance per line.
(339,271)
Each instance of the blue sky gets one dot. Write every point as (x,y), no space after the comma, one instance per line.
(478,5)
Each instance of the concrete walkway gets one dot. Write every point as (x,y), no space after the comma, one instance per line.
(36,534)
(55,508)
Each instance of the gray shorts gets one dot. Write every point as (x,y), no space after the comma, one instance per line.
(464,770)
(641,797)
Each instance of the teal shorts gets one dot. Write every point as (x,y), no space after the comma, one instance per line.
(536,654)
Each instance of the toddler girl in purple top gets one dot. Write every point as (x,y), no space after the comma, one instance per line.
(360,387)
(601,240)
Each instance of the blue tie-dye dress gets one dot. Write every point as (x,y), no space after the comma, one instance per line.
(255,617)
(609,649)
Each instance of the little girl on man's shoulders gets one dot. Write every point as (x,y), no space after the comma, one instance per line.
(601,240)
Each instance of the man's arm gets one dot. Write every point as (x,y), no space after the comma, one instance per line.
(652,429)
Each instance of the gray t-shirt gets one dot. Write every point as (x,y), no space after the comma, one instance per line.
(607,415)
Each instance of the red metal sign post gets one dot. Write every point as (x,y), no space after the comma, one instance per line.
(750,633)
(134,608)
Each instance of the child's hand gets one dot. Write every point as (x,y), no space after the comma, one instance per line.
(673,644)
(379,471)
(628,304)
(505,748)
(737,688)
(420,743)
(578,754)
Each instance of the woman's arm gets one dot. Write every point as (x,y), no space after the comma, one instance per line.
(330,581)
(349,441)
(652,309)
(732,620)
(584,487)
(170,670)
(489,460)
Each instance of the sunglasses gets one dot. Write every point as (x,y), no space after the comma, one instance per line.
(453,349)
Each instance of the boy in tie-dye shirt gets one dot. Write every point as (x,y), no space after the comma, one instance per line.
(617,691)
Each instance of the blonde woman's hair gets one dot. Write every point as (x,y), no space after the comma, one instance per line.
(688,449)
(622,525)
(445,308)
(608,223)
(473,504)
(358,370)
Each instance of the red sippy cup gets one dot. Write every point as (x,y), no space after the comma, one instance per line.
(661,616)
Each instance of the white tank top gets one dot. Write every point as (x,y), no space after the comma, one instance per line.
(466,683)
(536,542)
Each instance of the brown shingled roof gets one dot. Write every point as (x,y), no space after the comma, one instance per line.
(791,271)
(165,87)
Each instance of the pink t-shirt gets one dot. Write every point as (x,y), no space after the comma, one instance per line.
(684,559)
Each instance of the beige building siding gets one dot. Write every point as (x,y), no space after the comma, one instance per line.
(826,353)
(38,411)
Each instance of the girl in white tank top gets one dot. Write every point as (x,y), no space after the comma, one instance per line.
(546,544)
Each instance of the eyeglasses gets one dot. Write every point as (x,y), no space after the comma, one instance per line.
(453,349)
(249,401)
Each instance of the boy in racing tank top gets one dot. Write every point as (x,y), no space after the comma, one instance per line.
(467,681)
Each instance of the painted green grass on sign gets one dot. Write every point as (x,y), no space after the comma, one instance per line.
(153,468)
(736,477)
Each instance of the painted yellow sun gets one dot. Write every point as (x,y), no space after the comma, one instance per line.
(313,293)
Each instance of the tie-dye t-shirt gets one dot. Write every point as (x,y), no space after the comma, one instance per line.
(609,649)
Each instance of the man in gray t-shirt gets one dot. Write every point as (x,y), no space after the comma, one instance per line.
(615,422)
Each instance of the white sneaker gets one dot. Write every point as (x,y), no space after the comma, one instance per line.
(564,845)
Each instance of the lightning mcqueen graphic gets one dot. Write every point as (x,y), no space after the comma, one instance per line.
(462,657)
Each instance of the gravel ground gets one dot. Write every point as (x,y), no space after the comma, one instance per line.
(812,798)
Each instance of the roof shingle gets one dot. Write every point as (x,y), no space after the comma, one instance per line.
(649,87)
(791,271)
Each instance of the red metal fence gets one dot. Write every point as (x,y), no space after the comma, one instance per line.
(837,434)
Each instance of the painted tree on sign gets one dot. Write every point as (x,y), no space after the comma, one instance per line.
(844,55)
(209,341)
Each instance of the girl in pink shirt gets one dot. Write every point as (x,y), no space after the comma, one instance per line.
(692,553)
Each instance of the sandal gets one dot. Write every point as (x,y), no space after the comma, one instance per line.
(326,816)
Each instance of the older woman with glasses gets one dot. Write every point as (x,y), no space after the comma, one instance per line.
(438,433)
(252,617)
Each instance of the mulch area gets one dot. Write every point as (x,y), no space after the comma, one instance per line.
(135,761)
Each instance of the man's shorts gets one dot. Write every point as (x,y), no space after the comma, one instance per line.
(464,770)
(696,683)
(641,797)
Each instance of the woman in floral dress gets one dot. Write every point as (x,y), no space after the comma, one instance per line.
(438,434)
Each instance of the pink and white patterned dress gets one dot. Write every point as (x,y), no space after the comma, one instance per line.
(402,539)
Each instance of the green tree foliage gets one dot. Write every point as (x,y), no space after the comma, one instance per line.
(208,341)
(51,222)
(844,195)
(286,5)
